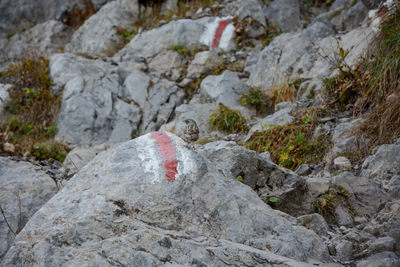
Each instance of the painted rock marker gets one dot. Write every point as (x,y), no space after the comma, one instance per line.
(219,33)
(168,154)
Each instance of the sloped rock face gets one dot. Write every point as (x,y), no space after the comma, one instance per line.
(127,207)
(97,36)
(42,40)
(24,188)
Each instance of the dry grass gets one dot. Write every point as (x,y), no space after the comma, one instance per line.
(282,92)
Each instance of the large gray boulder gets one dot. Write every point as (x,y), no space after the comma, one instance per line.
(153,202)
(290,56)
(185,32)
(98,36)
(41,40)
(24,188)
(104,103)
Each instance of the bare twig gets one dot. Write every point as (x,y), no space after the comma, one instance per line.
(5,219)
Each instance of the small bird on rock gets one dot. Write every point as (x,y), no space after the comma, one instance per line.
(191,131)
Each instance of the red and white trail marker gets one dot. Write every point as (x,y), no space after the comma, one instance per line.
(219,33)
(163,159)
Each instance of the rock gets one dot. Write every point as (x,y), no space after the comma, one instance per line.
(283,105)
(187,33)
(284,13)
(202,63)
(370,4)
(98,36)
(99,106)
(344,250)
(350,17)
(41,40)
(89,105)
(382,244)
(4,96)
(383,165)
(314,222)
(383,259)
(279,118)
(303,169)
(365,196)
(264,177)
(290,56)
(341,163)
(169,6)
(22,15)
(21,183)
(167,64)
(122,204)
(78,157)
(224,89)
(342,216)
(246,9)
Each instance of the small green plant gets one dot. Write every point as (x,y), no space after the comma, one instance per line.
(49,150)
(228,120)
(257,99)
(325,204)
(180,49)
(239,178)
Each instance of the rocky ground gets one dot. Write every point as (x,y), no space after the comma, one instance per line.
(93,101)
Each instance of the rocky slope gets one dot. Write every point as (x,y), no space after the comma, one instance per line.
(131,192)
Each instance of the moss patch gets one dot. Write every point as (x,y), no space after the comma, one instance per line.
(257,99)
(32,111)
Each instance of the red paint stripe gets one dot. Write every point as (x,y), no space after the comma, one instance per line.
(218,33)
(168,154)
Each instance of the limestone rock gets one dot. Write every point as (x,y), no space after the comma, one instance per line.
(4,96)
(21,183)
(264,177)
(98,36)
(284,13)
(125,202)
(202,63)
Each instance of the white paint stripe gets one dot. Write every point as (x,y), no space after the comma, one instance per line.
(186,163)
(227,36)
(150,158)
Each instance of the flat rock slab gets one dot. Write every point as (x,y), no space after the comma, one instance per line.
(152,201)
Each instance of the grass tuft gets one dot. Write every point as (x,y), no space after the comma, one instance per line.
(257,99)
(228,120)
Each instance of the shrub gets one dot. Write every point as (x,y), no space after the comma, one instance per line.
(227,120)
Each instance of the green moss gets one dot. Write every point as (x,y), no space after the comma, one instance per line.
(49,150)
(257,99)
(228,120)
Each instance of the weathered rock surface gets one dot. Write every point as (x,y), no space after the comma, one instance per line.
(224,89)
(120,208)
(41,40)
(202,63)
(24,188)
(23,14)
(99,106)
(264,177)
(284,13)
(384,166)
(98,36)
